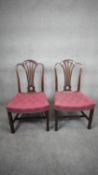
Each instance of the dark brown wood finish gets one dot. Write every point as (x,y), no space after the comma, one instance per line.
(47,120)
(68,67)
(56,120)
(90,118)
(30,67)
(11,122)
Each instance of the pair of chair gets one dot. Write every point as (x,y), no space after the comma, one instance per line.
(37,102)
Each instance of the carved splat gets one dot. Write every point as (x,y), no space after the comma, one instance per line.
(30,68)
(68,66)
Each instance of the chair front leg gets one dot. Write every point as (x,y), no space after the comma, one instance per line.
(90,118)
(47,120)
(56,120)
(11,123)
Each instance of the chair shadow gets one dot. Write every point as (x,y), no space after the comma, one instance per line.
(28,118)
(67,118)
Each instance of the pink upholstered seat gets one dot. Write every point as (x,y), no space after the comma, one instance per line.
(68,100)
(73,101)
(28,102)
(31,101)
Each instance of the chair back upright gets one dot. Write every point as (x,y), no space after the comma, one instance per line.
(68,67)
(30,67)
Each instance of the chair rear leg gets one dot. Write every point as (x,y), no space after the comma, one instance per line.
(56,121)
(90,118)
(11,123)
(47,120)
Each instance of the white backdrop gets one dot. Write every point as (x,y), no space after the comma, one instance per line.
(48,31)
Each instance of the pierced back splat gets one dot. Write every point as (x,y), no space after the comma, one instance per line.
(68,69)
(30,68)
(68,66)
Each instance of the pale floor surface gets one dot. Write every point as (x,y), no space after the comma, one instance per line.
(73,150)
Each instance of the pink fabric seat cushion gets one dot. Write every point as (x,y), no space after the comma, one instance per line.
(28,102)
(73,101)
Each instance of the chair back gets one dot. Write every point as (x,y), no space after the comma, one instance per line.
(68,66)
(30,67)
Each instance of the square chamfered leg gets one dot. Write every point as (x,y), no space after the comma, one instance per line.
(47,120)
(11,122)
(90,118)
(56,120)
